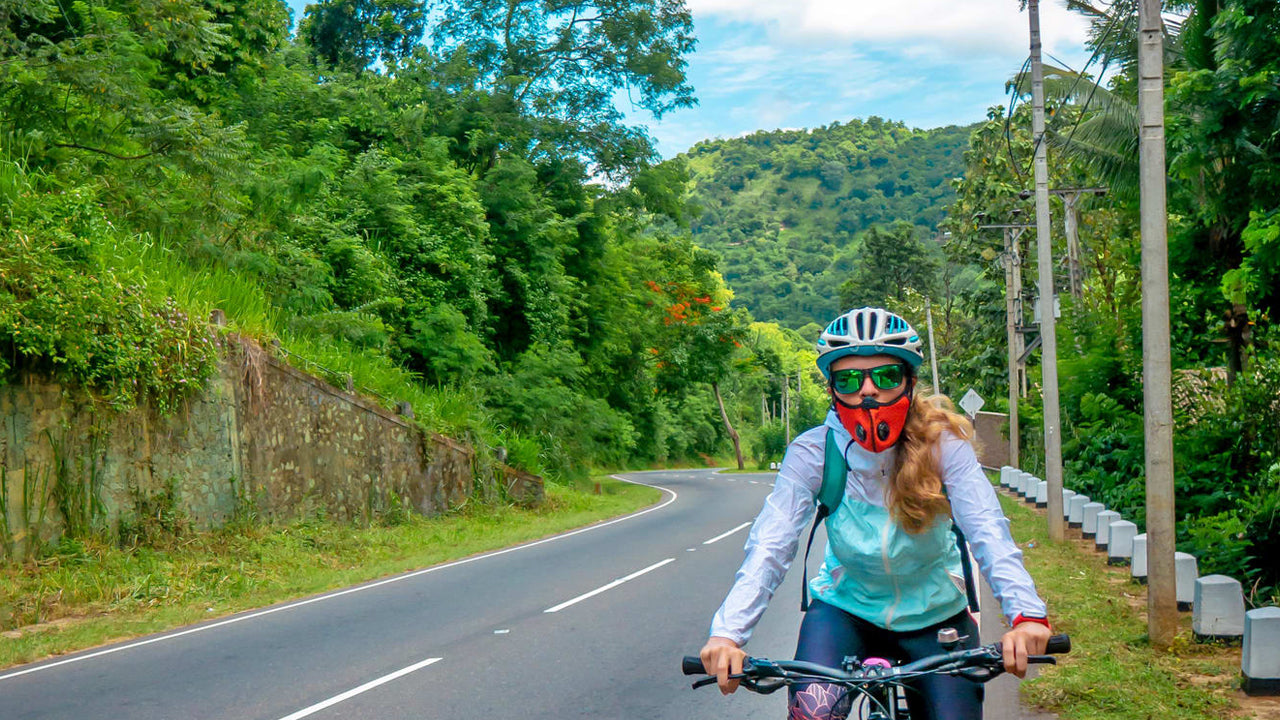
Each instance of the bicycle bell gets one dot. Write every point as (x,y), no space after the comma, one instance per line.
(948,638)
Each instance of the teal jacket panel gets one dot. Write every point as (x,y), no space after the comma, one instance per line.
(876,570)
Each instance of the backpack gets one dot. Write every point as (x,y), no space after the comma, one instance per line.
(835,472)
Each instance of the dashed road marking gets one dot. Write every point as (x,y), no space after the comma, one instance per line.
(610,586)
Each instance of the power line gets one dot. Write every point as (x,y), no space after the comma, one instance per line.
(1097,48)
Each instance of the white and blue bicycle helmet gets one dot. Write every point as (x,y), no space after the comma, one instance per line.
(868,331)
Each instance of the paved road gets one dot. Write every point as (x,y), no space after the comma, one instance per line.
(590,624)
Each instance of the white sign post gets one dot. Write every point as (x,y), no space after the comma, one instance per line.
(971,403)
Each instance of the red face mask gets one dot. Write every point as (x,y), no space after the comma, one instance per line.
(873,425)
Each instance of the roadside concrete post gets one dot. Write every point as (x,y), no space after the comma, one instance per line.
(1042,494)
(1029,488)
(1219,608)
(1187,569)
(1260,660)
(1138,568)
(1103,534)
(1089,524)
(1075,516)
(1066,502)
(1120,545)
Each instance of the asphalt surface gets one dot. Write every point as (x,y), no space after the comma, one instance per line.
(589,624)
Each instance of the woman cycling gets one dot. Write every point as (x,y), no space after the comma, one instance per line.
(891,577)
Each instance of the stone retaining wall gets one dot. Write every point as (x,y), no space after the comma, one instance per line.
(263,434)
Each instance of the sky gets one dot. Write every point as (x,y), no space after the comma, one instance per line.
(768,64)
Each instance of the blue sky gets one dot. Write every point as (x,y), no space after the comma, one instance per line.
(766,64)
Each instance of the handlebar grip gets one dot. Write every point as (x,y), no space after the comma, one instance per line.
(692,665)
(1058,645)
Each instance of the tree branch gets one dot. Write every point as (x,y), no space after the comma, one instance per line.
(108,153)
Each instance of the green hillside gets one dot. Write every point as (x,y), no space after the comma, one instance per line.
(783,208)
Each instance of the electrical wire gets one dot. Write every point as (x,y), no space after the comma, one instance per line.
(1097,48)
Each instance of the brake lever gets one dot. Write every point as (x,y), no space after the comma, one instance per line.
(744,676)
(766,686)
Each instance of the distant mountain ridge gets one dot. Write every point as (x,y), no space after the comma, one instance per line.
(784,208)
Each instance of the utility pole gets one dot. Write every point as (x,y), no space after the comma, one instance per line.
(1044,256)
(1070,203)
(1162,617)
(786,405)
(933,352)
(1012,262)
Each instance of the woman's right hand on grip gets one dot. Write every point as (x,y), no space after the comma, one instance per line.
(722,657)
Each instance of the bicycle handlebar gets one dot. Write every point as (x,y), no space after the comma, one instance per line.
(978,664)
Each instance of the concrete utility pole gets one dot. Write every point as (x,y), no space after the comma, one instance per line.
(786,405)
(1013,323)
(933,352)
(1070,202)
(1162,616)
(1044,256)
(1011,330)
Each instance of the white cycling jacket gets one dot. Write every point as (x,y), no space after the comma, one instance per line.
(778,530)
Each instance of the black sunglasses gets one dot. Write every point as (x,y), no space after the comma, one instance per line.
(884,377)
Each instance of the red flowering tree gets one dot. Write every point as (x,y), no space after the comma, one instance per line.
(698,337)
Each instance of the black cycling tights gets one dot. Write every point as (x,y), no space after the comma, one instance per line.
(828,634)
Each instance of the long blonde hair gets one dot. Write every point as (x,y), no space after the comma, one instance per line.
(915,496)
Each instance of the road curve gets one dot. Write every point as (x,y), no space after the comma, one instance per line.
(588,624)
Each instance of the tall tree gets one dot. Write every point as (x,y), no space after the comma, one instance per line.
(353,34)
(893,260)
(563,61)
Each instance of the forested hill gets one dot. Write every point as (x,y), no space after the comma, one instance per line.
(783,208)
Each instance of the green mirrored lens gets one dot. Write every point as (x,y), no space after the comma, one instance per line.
(887,377)
(846,381)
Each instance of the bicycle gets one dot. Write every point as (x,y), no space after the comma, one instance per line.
(876,680)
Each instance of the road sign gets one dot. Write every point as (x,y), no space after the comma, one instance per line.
(972,402)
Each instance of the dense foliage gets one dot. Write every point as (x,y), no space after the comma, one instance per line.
(412,205)
(1221,110)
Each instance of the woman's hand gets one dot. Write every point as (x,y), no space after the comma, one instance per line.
(1028,638)
(720,657)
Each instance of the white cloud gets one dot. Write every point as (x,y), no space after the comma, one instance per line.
(955,28)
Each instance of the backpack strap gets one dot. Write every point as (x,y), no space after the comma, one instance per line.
(970,589)
(835,474)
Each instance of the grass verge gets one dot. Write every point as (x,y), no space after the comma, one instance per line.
(1112,670)
(87,593)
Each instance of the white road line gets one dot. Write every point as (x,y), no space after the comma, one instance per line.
(356,691)
(348,591)
(610,586)
(722,536)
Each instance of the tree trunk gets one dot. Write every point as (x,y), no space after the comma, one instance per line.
(733,434)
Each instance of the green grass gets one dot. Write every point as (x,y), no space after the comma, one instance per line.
(1113,671)
(89,593)
(199,288)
